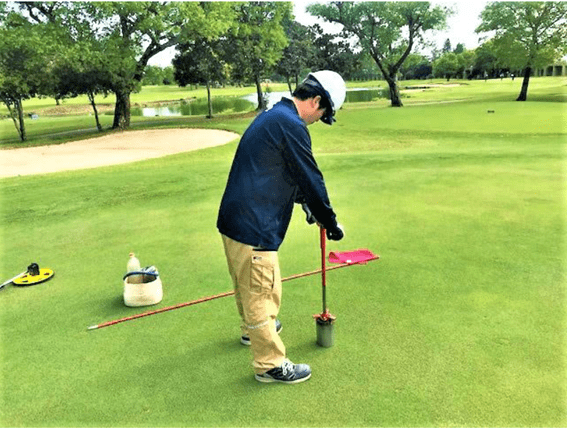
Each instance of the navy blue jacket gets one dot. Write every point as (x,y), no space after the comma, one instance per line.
(273,167)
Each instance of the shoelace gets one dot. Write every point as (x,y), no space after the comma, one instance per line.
(287,367)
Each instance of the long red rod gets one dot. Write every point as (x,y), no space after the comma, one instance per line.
(158,311)
(323,267)
(217,296)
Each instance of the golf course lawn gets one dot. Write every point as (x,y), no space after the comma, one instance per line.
(461,323)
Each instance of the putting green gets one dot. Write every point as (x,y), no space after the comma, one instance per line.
(461,323)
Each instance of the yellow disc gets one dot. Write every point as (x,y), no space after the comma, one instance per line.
(27,279)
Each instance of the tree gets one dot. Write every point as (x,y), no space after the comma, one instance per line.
(168,78)
(528,34)
(199,62)
(23,53)
(153,75)
(298,54)
(74,63)
(459,49)
(388,31)
(485,62)
(465,60)
(130,33)
(367,70)
(446,46)
(156,75)
(130,25)
(256,42)
(416,66)
(79,71)
(446,65)
(333,53)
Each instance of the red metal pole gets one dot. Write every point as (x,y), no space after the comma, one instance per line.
(323,267)
(217,296)
(158,311)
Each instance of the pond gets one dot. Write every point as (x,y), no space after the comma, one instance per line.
(243,104)
(353,95)
(196,107)
(357,95)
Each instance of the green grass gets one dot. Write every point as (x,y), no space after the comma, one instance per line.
(460,324)
(61,124)
(148,94)
(540,89)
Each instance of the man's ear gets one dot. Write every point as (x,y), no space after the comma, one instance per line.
(317,101)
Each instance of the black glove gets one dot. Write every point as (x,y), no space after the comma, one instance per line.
(308,215)
(335,233)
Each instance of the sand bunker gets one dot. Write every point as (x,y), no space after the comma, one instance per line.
(114,148)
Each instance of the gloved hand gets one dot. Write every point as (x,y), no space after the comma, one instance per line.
(309,216)
(336,232)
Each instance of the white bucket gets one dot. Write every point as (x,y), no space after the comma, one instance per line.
(149,292)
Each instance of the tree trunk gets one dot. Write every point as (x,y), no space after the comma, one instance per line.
(261,101)
(395,99)
(389,74)
(22,129)
(210,101)
(122,110)
(8,104)
(17,116)
(289,84)
(524,91)
(92,100)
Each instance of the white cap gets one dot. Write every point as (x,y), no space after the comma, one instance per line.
(334,87)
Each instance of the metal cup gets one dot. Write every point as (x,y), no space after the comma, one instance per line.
(325,333)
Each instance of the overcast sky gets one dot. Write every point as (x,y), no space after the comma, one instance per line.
(460,27)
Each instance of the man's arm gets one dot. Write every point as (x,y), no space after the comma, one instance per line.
(303,167)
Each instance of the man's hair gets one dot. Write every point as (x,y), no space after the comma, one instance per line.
(306,91)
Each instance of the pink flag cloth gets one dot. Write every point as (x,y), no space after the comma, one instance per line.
(352,257)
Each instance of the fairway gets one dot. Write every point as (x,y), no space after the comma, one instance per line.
(461,323)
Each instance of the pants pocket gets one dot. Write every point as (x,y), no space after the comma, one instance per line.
(261,272)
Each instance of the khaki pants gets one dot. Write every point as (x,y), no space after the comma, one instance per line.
(258,290)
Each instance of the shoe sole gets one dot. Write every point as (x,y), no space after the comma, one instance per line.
(260,378)
(248,343)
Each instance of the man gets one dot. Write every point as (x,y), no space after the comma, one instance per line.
(274,168)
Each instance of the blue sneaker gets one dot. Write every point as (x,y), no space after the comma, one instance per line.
(287,373)
(245,340)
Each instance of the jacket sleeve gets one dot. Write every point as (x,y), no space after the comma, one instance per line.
(306,174)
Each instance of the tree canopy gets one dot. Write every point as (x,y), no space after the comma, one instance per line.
(22,55)
(130,33)
(62,49)
(527,34)
(254,44)
(298,54)
(388,31)
(200,62)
